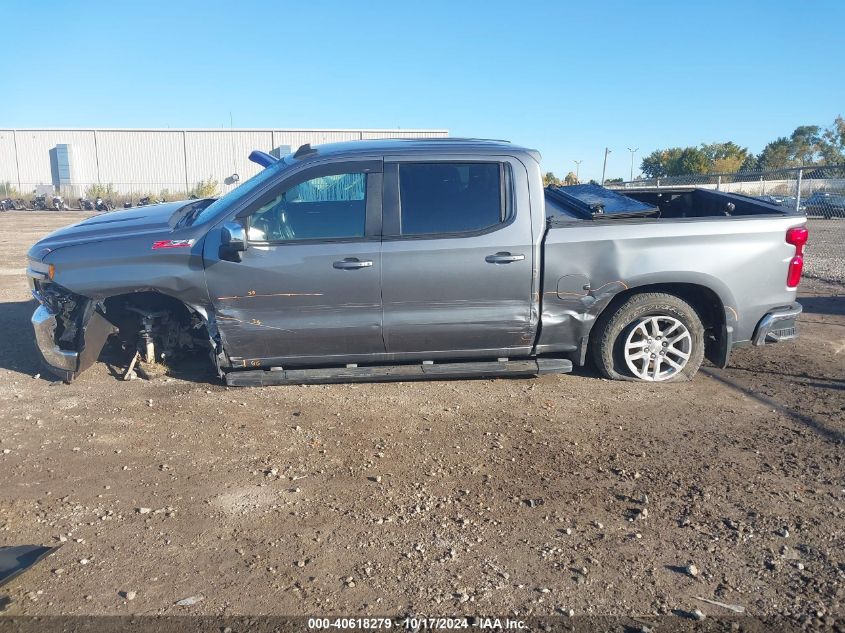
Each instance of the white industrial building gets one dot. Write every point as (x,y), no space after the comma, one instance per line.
(148,161)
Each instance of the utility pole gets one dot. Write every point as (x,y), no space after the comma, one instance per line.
(633,151)
(604,169)
(577,168)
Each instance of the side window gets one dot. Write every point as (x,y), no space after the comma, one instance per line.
(450,197)
(328,207)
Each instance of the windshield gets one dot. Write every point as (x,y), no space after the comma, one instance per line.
(240,193)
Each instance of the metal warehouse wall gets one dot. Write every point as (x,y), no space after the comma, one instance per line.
(152,160)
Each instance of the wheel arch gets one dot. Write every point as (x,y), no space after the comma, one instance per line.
(717,316)
(153,297)
(154,300)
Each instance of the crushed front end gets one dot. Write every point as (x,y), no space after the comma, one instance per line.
(70,330)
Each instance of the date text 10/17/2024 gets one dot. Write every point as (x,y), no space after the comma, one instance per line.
(411,623)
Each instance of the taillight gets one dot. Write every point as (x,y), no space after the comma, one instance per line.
(798,238)
(793,275)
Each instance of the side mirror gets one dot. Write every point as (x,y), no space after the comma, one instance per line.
(232,241)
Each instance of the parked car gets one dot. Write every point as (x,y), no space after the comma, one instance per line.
(408,259)
(781,201)
(827,204)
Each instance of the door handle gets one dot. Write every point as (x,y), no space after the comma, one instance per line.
(351,263)
(503,258)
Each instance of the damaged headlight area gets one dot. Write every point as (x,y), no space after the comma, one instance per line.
(70,330)
(67,308)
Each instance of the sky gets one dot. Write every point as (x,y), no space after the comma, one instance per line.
(566,78)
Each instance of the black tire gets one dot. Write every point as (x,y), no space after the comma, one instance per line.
(607,341)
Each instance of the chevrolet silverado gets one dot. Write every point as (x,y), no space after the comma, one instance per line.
(428,258)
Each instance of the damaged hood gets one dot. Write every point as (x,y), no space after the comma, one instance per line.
(157,219)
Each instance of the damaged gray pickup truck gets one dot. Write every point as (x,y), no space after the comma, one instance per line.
(430,258)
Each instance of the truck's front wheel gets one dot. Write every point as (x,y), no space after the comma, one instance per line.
(653,337)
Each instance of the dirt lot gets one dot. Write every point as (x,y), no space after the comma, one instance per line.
(505,496)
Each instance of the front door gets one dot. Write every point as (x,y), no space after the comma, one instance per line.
(457,259)
(307,289)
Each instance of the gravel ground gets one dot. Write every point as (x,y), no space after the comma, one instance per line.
(826,250)
(546,496)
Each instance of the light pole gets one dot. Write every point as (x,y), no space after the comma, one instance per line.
(577,168)
(604,168)
(633,151)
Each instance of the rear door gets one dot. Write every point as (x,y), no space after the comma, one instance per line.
(457,258)
(307,289)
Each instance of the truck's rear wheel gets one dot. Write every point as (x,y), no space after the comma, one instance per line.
(652,337)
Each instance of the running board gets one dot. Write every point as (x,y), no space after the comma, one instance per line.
(328,375)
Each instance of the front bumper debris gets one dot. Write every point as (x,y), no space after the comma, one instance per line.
(70,333)
(778,325)
(62,363)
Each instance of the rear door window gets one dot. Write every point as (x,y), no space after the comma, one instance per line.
(444,198)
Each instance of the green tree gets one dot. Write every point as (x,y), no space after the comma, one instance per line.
(570,179)
(750,163)
(836,132)
(777,154)
(206,189)
(652,165)
(8,190)
(725,157)
(675,161)
(806,143)
(101,191)
(832,148)
(550,179)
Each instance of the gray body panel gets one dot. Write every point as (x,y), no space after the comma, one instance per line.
(290,302)
(149,220)
(743,260)
(442,298)
(422,298)
(286,302)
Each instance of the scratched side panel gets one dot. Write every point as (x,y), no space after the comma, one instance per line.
(288,301)
(743,260)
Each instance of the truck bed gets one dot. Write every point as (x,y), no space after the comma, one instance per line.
(730,244)
(592,202)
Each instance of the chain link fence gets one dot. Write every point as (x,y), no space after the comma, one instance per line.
(819,192)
